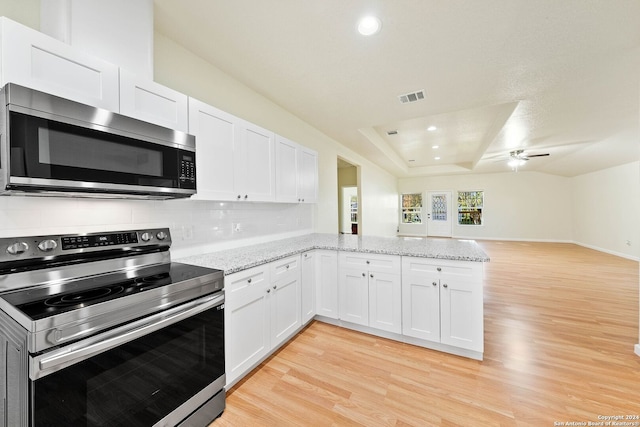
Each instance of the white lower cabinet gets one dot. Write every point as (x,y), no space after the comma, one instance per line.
(443,302)
(370,290)
(308,286)
(262,310)
(327,283)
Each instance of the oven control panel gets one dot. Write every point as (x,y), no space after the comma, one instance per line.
(24,248)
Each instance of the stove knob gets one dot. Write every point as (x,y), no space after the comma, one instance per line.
(47,245)
(161,235)
(146,237)
(17,248)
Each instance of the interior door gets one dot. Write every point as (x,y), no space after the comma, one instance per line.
(439,215)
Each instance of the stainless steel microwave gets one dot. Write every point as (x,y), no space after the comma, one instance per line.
(54,146)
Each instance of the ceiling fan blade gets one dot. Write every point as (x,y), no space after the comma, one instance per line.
(537,155)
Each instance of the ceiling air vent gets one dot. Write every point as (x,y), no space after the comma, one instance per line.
(392,132)
(411,97)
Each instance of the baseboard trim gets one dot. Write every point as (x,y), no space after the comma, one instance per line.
(607,251)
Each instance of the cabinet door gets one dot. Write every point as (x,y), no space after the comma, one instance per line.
(371,262)
(420,306)
(216,134)
(285,307)
(461,313)
(149,101)
(247,317)
(308,286)
(286,170)
(254,171)
(327,283)
(385,302)
(307,175)
(35,60)
(353,288)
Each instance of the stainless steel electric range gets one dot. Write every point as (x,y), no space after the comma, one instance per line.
(102,329)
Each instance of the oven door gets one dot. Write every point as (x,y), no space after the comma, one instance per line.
(155,371)
(51,155)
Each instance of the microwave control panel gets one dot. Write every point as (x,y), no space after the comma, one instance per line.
(187,170)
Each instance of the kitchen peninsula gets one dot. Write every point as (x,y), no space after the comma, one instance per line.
(422,291)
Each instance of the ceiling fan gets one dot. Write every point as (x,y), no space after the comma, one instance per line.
(519,158)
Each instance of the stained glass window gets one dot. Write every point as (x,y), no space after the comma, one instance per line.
(439,207)
(412,208)
(470,205)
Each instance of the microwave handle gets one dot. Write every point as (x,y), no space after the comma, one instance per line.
(41,366)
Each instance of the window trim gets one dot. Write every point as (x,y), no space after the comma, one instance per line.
(418,210)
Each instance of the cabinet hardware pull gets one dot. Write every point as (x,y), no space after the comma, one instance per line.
(368,262)
(439,269)
(246,196)
(287,266)
(268,290)
(445,285)
(239,197)
(435,283)
(371,276)
(275,286)
(249,281)
(363,275)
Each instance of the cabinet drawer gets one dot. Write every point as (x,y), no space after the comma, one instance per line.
(459,269)
(283,266)
(244,279)
(370,262)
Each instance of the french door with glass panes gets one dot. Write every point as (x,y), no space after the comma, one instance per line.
(439,215)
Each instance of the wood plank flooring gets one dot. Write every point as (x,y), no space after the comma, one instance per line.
(560,325)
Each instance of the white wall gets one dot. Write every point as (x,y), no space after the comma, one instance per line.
(606,209)
(517,206)
(179,69)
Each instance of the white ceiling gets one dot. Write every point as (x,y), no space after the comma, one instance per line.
(547,76)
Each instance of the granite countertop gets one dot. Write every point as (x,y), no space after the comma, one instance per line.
(238,259)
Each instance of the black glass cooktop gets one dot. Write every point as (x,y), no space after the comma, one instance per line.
(45,301)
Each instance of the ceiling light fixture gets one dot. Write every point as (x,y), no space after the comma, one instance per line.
(435,147)
(437,158)
(369,25)
(432,128)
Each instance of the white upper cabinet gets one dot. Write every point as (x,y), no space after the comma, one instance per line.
(255,163)
(286,170)
(216,133)
(296,172)
(35,60)
(149,101)
(307,175)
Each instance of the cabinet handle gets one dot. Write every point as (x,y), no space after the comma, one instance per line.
(303,200)
(368,262)
(364,275)
(306,255)
(371,275)
(287,266)
(274,287)
(434,283)
(439,269)
(239,197)
(445,285)
(246,196)
(268,290)
(249,281)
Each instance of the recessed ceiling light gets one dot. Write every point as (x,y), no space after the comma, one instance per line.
(431,128)
(435,147)
(436,158)
(369,25)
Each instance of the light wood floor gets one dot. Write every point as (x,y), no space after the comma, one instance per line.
(560,325)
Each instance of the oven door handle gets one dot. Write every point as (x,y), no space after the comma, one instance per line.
(43,365)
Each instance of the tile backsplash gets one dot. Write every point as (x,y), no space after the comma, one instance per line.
(193,223)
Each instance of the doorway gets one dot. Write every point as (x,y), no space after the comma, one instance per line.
(349,204)
(439,221)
